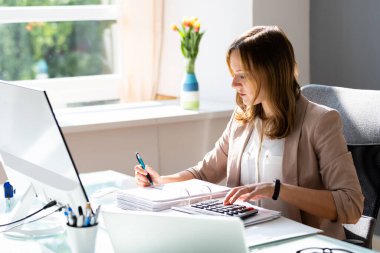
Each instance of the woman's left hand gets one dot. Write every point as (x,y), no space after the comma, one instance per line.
(249,192)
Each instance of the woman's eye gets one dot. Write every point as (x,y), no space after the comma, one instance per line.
(241,76)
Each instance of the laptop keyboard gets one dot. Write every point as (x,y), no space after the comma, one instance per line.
(216,207)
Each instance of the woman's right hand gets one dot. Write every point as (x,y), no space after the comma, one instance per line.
(141,176)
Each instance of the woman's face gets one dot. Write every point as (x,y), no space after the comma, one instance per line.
(244,87)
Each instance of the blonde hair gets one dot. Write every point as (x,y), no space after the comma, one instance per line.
(267,56)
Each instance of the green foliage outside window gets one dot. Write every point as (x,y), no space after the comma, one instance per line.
(67,48)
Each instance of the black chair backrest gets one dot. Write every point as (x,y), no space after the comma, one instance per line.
(367,163)
(360,113)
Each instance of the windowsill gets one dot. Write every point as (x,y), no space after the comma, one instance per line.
(104,117)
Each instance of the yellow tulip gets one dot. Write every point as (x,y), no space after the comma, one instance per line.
(174,27)
(186,22)
(196,26)
(192,20)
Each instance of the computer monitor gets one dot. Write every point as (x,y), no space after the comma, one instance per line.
(34,152)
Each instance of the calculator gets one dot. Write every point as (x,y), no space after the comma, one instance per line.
(216,207)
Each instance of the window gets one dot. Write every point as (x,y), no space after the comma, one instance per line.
(68,47)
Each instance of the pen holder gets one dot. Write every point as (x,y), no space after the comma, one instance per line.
(82,239)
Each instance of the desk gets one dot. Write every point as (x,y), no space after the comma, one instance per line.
(92,182)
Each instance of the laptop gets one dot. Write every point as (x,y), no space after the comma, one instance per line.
(140,231)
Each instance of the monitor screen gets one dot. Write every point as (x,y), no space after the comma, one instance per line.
(33,148)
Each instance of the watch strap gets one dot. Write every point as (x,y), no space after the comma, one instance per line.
(277,186)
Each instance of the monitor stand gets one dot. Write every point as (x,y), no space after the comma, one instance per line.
(49,226)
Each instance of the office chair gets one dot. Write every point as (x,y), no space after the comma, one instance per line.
(360,113)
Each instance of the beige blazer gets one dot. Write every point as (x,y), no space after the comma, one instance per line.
(315,156)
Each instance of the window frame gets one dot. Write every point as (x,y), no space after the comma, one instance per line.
(73,89)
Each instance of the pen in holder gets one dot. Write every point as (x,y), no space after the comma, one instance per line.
(82,239)
(82,228)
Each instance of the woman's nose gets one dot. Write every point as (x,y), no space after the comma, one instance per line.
(235,84)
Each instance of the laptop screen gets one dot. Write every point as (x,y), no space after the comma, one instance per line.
(138,231)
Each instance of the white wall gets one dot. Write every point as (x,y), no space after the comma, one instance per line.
(223,20)
(168,148)
(293,16)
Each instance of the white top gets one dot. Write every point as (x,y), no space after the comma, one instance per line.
(269,161)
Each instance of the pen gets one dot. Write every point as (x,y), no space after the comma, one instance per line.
(141,162)
(72,217)
(67,217)
(92,222)
(81,217)
(88,214)
(97,214)
(80,221)
(89,208)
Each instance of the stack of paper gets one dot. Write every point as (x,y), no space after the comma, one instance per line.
(277,230)
(262,216)
(168,195)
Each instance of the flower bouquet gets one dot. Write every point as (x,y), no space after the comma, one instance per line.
(191,36)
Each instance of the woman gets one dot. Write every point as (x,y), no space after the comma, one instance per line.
(277,134)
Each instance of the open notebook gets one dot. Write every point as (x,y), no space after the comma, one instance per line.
(169,195)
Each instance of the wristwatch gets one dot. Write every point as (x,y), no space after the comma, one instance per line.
(277,185)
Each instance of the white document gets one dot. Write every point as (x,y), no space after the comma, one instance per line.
(276,230)
(168,195)
(263,215)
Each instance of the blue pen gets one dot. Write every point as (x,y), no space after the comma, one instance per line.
(141,162)
(67,217)
(72,217)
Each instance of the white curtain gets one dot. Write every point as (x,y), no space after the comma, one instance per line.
(142,38)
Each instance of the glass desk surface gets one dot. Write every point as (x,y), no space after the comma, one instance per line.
(96,181)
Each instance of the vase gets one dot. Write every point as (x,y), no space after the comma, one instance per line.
(190,92)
